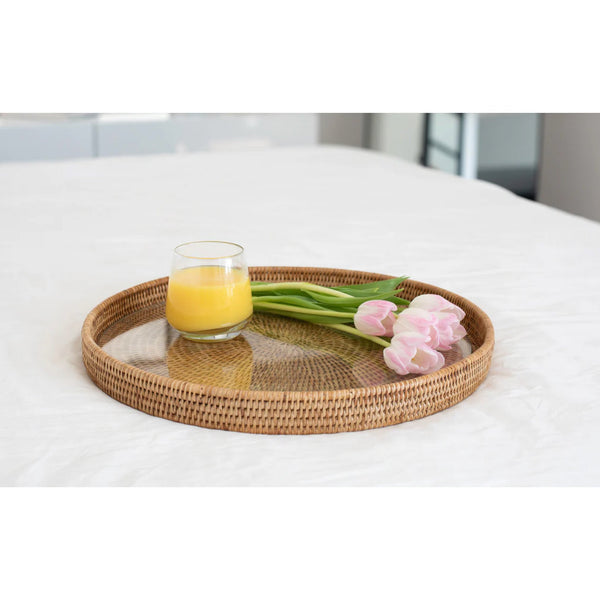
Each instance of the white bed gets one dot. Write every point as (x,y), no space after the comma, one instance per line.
(74,232)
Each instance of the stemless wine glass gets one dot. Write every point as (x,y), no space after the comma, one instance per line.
(209,297)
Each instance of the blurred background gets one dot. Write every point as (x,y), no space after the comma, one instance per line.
(549,158)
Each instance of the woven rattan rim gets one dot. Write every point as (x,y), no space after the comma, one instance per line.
(285,412)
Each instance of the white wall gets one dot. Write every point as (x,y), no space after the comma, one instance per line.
(43,140)
(347,129)
(400,134)
(570,163)
(56,136)
(51,137)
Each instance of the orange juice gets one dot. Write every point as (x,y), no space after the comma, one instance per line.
(208,298)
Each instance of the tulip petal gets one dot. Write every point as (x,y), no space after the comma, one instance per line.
(376,317)
(436,303)
(410,353)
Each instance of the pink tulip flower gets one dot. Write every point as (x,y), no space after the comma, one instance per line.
(376,317)
(435,317)
(449,330)
(420,321)
(410,353)
(435,303)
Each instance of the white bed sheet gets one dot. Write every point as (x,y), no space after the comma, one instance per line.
(74,232)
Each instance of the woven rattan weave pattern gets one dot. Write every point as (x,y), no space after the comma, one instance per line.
(281,376)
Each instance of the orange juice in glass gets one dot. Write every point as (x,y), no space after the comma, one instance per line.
(209,297)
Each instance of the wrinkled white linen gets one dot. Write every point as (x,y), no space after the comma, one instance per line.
(75,232)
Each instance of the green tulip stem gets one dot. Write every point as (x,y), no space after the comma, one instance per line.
(357,333)
(297,285)
(296,309)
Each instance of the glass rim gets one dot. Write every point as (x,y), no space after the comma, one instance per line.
(240,249)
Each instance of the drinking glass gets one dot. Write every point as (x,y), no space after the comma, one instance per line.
(209,297)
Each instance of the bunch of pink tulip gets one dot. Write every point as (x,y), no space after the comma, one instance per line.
(418,329)
(430,323)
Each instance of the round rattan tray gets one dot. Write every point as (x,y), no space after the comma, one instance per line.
(281,376)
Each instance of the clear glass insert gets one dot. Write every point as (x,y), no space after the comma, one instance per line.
(272,354)
(209,297)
